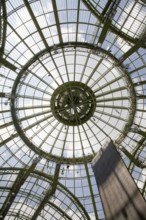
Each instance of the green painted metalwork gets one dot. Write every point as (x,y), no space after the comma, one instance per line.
(112,28)
(136,161)
(72,35)
(104,32)
(140,43)
(72,99)
(24,70)
(3,25)
(50,179)
(49,192)
(7,64)
(21,178)
(35,22)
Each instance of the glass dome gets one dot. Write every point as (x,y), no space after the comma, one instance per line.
(72,75)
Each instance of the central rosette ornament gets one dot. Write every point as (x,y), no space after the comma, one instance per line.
(73,103)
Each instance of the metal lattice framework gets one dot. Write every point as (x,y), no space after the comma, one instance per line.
(72,74)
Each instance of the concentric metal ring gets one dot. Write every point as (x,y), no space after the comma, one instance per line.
(73,103)
(76,132)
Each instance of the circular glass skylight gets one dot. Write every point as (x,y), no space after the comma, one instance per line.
(73,75)
(67,102)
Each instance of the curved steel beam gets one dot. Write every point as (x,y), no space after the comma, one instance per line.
(109,10)
(3,26)
(32,15)
(50,192)
(20,216)
(71,45)
(60,187)
(112,28)
(56,209)
(131,157)
(21,178)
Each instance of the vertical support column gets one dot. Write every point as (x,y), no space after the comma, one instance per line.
(119,194)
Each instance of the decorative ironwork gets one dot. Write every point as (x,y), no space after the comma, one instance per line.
(73,103)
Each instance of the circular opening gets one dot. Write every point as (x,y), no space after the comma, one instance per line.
(73,103)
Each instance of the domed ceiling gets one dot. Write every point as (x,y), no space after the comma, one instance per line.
(72,75)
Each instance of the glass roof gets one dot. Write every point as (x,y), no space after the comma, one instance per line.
(72,75)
